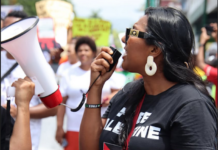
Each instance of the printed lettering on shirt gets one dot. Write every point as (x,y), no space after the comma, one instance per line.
(107,127)
(141,114)
(151,132)
(142,131)
(145,117)
(117,128)
(108,119)
(122,112)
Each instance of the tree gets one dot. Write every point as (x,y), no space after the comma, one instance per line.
(95,14)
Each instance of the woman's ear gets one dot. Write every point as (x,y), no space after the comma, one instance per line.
(156,51)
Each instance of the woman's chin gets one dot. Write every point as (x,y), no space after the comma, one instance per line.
(125,66)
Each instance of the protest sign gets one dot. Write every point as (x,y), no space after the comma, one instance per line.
(96,28)
(46,34)
(61,12)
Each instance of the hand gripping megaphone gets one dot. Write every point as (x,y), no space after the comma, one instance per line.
(20,40)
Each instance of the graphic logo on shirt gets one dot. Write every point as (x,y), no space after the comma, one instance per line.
(150,132)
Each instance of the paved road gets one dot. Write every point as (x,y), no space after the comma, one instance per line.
(48,130)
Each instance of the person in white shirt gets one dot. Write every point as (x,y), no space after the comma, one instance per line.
(74,83)
(37,109)
(72,59)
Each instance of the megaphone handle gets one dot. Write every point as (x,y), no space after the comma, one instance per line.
(11,91)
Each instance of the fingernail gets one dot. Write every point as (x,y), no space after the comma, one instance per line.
(111,52)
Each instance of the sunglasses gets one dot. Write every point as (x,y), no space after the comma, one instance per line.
(137,33)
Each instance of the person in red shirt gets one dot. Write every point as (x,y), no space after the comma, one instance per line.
(210,71)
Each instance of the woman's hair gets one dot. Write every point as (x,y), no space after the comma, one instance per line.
(17,14)
(174,36)
(86,40)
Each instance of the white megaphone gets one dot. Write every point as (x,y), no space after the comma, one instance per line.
(20,40)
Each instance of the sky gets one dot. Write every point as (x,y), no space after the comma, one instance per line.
(121,13)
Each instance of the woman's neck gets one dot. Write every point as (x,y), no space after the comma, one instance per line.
(85,67)
(156,84)
(73,60)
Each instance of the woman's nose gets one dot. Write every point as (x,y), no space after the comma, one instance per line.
(123,39)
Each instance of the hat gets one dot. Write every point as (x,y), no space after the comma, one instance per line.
(58,46)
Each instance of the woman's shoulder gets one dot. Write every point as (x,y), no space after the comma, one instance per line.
(186,93)
(122,95)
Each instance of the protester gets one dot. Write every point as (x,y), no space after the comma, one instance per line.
(55,54)
(37,109)
(169,109)
(73,84)
(210,71)
(72,59)
(20,137)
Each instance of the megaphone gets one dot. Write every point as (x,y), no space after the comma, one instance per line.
(20,40)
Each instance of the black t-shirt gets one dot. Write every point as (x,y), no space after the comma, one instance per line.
(180,118)
(6,129)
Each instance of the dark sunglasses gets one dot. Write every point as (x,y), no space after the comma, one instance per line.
(137,33)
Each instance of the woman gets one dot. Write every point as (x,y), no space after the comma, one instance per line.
(169,109)
(73,84)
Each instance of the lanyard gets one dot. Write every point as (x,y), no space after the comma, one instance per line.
(134,121)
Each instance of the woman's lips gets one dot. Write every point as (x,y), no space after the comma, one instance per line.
(124,55)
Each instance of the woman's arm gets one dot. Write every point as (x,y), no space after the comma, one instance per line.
(60,119)
(40,111)
(91,125)
(21,137)
(36,112)
(200,56)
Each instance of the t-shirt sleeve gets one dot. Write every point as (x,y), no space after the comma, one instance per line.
(63,86)
(194,127)
(211,74)
(119,97)
(105,115)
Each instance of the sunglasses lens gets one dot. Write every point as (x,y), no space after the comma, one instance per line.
(127,34)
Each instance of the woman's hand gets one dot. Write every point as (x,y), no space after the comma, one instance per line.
(101,65)
(25,90)
(59,135)
(214,33)
(204,37)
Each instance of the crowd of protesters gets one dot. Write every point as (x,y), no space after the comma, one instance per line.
(73,77)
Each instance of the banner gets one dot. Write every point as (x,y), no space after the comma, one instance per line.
(46,34)
(5,9)
(60,11)
(96,28)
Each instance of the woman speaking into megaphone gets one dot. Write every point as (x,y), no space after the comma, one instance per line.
(169,109)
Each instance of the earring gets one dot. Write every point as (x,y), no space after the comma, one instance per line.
(150,63)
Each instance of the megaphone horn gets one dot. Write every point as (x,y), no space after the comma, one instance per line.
(20,40)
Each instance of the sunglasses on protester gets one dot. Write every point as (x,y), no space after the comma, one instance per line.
(137,33)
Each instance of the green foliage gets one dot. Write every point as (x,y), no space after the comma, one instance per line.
(28,6)
(95,14)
